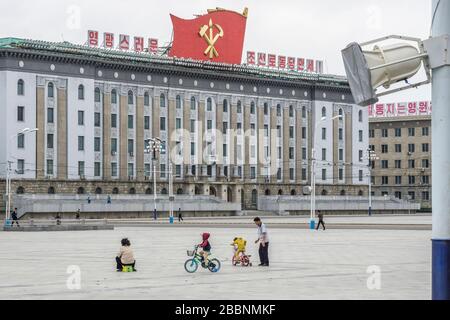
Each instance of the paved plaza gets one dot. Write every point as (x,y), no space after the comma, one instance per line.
(304,265)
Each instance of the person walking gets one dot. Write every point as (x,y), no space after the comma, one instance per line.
(77,216)
(108,201)
(89,199)
(14,218)
(263,239)
(321,221)
(180,215)
(58,219)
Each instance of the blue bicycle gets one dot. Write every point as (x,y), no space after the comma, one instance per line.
(191,265)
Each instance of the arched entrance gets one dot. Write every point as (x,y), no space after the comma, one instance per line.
(212,191)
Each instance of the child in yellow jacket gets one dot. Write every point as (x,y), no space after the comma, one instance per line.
(239,247)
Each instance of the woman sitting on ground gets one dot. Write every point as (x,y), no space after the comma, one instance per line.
(125,258)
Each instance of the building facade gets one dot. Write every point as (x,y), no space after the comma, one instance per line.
(234,132)
(403,146)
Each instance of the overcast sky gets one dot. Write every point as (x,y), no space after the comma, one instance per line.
(302,28)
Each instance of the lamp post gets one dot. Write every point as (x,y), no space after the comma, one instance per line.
(371,156)
(9,169)
(154,146)
(312,222)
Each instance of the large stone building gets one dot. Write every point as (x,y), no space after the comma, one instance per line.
(97,109)
(403,146)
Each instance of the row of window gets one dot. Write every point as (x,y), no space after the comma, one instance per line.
(398,180)
(384,164)
(399,148)
(398,132)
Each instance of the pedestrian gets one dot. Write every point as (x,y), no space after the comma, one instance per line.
(263,239)
(58,219)
(125,257)
(89,200)
(321,221)
(77,216)
(155,216)
(14,218)
(180,215)
(109,200)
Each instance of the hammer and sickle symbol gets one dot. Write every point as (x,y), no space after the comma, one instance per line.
(211,39)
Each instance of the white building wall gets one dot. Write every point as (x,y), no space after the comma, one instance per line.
(327,144)
(357,145)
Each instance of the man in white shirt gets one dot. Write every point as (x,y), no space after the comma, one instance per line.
(263,239)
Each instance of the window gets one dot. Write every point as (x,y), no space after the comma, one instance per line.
(291,113)
(178,123)
(209,125)
(81,168)
(425,163)
(412,195)
(304,174)
(398,132)
(97,119)
(50,140)
(341,174)
(279,110)
(324,112)
(20,87)
(361,174)
(20,166)
(341,134)
(324,174)
(81,118)
(411,132)
(97,95)
(193,104)
(360,116)
(324,133)
(114,169)
(114,146)
(425,179)
(360,136)
(398,180)
(49,167)
(225,150)
(304,154)
(341,154)
(291,174)
(324,154)
(425,131)
(209,104)
(96,169)
(398,195)
(50,90)
(114,96)
(384,164)
(384,148)
(279,174)
(130,97)
(398,164)
(96,144)
(371,133)
(304,133)
(291,132)
(21,141)
(411,164)
(291,153)
(50,115)
(239,107)
(80,143)
(162,124)
(146,99)
(178,102)
(209,171)
(225,127)
(192,149)
(130,146)
(225,106)
(411,180)
(361,156)
(192,126)
(130,122)
(252,108)
(384,133)
(113,120)
(372,147)
(147,170)
(425,196)
(304,112)
(80,92)
(411,148)
(384,180)
(146,123)
(279,131)
(266,109)
(425,147)
(131,170)
(398,148)
(21,114)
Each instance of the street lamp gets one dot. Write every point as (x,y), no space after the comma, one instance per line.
(8,170)
(312,222)
(154,146)
(371,156)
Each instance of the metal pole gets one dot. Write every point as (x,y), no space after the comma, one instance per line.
(441,162)
(9,190)
(7,193)
(154,188)
(313,191)
(370,183)
(170,194)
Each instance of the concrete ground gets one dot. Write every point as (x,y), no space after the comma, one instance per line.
(304,265)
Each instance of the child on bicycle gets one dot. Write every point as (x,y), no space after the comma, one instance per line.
(239,247)
(206,247)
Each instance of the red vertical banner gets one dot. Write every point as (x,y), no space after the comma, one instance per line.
(251,58)
(291,63)
(93,38)
(310,65)
(153,45)
(282,62)
(272,61)
(124,42)
(300,64)
(108,40)
(138,44)
(262,59)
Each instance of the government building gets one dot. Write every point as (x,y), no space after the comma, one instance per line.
(230,132)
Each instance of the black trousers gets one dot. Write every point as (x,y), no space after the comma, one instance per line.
(264,253)
(180,218)
(321,223)
(120,265)
(15,221)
